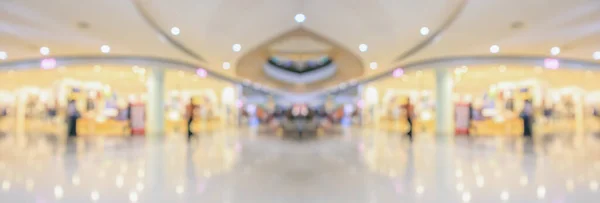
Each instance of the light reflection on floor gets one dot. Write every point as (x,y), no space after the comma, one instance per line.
(354,166)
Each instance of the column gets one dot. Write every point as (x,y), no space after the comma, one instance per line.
(444,111)
(155,104)
(239,94)
(363,109)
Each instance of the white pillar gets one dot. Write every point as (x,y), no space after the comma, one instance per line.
(155,112)
(444,105)
(238,111)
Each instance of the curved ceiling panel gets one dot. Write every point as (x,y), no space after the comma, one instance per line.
(299,44)
(210,28)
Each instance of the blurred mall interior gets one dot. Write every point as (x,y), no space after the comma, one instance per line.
(227,101)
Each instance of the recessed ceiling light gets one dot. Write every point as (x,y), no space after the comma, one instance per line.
(3,55)
(363,47)
(596,55)
(424,31)
(541,192)
(95,196)
(175,31)
(504,196)
(58,192)
(44,51)
(466,197)
(495,49)
(555,51)
(105,49)
(226,65)
(133,197)
(5,185)
(179,189)
(237,47)
(300,18)
(373,65)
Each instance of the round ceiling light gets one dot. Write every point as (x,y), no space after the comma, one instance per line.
(300,18)
(555,51)
(495,49)
(44,51)
(95,196)
(226,65)
(373,65)
(105,49)
(237,47)
(363,47)
(596,55)
(3,55)
(175,31)
(424,31)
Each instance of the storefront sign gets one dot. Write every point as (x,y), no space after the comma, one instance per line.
(138,119)
(462,119)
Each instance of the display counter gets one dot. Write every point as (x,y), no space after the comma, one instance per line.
(106,128)
(489,127)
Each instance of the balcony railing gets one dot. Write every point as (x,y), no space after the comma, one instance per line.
(294,74)
(300,67)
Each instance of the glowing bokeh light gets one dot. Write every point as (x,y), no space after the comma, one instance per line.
(398,73)
(47,64)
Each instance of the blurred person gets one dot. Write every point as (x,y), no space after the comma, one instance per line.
(128,116)
(51,112)
(527,116)
(3,112)
(596,113)
(548,113)
(190,113)
(409,109)
(72,117)
(472,113)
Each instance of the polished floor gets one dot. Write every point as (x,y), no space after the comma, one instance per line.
(352,165)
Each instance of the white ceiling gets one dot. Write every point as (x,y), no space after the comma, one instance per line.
(211,27)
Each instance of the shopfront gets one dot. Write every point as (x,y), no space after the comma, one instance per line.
(489,100)
(111,100)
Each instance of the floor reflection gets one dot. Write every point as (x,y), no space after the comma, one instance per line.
(357,165)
